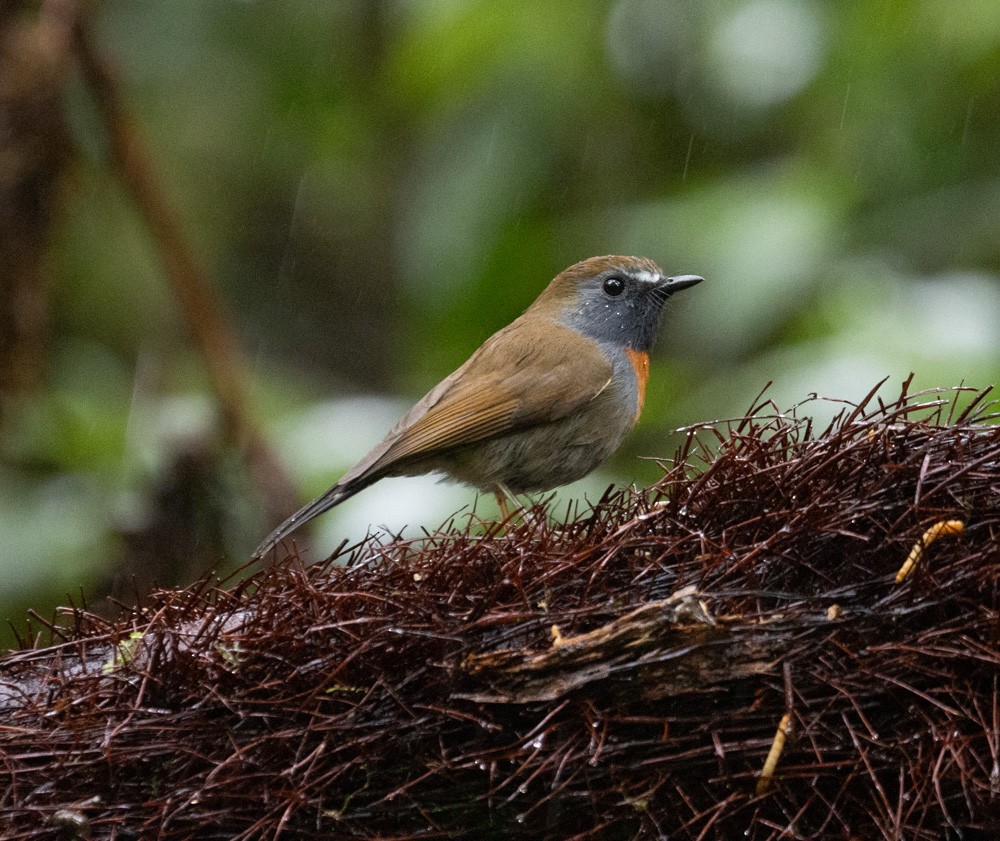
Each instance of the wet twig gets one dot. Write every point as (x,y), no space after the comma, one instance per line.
(202,311)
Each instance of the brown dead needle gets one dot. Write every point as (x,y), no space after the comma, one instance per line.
(940,529)
(785,729)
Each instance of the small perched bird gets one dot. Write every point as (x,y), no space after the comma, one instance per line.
(542,403)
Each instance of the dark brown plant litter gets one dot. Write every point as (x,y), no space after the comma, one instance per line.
(727,655)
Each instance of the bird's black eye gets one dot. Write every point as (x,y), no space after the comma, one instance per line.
(614,286)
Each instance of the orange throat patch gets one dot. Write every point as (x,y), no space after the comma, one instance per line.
(640,362)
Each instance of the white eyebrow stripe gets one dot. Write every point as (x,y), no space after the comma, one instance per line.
(645,277)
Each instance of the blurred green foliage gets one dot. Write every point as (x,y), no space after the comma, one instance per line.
(378,185)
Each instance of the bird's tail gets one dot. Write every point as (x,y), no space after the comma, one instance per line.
(337,494)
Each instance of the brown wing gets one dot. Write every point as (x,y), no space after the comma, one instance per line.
(509,383)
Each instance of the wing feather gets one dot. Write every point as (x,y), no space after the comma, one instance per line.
(509,384)
(460,420)
(506,385)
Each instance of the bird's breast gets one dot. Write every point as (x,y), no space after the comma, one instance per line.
(639,360)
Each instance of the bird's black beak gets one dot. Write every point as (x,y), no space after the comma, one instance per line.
(682,281)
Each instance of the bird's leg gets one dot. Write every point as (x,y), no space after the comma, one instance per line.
(503,495)
(502,503)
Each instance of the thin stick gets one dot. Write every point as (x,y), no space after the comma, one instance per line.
(200,306)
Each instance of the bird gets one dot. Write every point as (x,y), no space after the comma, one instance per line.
(541,403)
